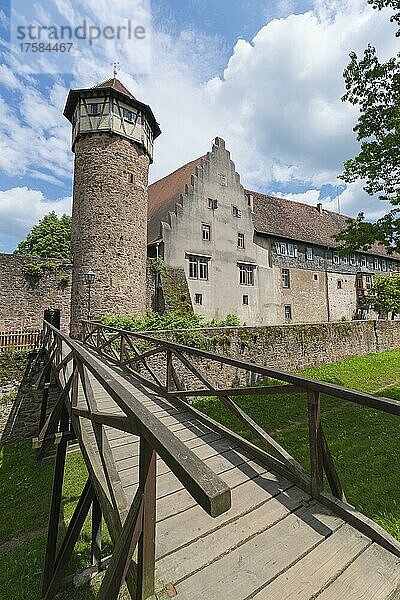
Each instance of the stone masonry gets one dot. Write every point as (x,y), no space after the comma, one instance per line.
(109,226)
(23,299)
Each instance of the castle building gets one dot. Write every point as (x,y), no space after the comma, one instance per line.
(267,260)
(112,139)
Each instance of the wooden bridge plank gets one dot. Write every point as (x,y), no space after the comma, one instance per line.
(251,565)
(314,572)
(374,575)
(221,537)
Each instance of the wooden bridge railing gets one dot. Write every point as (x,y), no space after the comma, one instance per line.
(75,415)
(156,363)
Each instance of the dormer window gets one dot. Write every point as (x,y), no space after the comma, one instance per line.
(212,203)
(94,109)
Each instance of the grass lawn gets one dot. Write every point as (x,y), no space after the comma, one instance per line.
(365,444)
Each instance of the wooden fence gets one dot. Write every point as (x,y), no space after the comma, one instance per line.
(18,340)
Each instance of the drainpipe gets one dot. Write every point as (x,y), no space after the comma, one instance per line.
(157,282)
(328,307)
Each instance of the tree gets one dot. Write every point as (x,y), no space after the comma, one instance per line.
(375,88)
(384,296)
(50,238)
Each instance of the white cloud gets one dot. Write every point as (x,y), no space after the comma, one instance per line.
(277,103)
(350,202)
(20,209)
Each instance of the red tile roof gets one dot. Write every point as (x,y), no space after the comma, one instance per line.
(302,222)
(115,84)
(164,194)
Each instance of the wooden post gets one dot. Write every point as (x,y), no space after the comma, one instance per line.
(51,546)
(169,379)
(122,349)
(147,540)
(315,437)
(96,532)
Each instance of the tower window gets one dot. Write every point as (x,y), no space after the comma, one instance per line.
(246,274)
(288,312)
(128,115)
(94,109)
(206,232)
(130,177)
(339,284)
(315,276)
(246,300)
(198,299)
(212,203)
(240,240)
(285,278)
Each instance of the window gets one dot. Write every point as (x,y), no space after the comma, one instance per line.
(384,265)
(335,258)
(206,232)
(363,261)
(203,269)
(128,115)
(281,248)
(285,278)
(292,250)
(352,259)
(368,282)
(198,299)
(288,312)
(94,109)
(339,284)
(198,267)
(130,177)
(315,276)
(222,180)
(246,274)
(212,204)
(345,259)
(240,240)
(245,300)
(309,253)
(376,264)
(236,212)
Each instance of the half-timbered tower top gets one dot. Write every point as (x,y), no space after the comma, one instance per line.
(110,107)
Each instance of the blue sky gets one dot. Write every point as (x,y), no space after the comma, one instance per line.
(266,75)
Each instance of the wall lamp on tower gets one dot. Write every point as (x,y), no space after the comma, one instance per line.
(90,277)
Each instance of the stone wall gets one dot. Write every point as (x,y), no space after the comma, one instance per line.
(287,347)
(23,298)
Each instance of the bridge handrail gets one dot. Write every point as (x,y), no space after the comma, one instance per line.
(209,490)
(388,405)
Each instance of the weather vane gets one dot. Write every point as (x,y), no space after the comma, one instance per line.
(116,66)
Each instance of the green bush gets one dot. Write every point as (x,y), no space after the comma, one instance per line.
(168,321)
(12,365)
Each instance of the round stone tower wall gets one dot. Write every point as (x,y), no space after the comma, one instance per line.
(109,227)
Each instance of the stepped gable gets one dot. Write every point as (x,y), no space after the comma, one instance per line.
(165,193)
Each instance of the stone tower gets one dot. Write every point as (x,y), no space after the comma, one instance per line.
(112,138)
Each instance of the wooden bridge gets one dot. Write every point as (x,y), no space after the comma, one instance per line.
(194,510)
